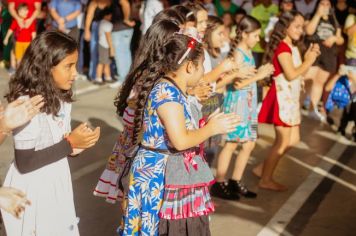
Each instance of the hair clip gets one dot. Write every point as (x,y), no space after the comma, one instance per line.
(191,45)
(189,14)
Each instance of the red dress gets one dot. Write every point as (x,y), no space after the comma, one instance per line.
(269,112)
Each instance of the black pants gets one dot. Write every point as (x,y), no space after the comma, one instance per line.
(349,114)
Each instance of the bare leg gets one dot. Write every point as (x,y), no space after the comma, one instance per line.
(224,160)
(278,149)
(107,73)
(317,87)
(242,159)
(99,72)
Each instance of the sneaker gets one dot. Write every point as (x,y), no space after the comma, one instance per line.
(316,115)
(222,190)
(115,85)
(240,188)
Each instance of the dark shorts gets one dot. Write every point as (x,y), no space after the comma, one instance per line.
(104,55)
(327,59)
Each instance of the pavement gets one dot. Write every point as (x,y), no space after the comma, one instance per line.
(320,173)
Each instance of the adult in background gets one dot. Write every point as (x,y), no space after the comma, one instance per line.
(121,38)
(91,31)
(324,29)
(225,6)
(65,14)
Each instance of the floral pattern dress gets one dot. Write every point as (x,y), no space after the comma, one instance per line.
(243,102)
(146,184)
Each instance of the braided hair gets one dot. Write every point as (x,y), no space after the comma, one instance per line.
(154,38)
(248,24)
(165,60)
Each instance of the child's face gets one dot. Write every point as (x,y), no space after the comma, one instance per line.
(238,18)
(218,37)
(252,38)
(202,20)
(295,29)
(197,73)
(227,19)
(108,17)
(65,72)
(23,12)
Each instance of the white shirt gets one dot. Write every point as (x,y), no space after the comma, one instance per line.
(151,8)
(104,27)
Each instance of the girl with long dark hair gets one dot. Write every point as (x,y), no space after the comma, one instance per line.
(281,106)
(41,168)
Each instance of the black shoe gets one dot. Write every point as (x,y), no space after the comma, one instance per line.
(240,188)
(221,190)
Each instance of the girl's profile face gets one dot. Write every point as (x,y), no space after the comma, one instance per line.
(295,29)
(197,73)
(202,20)
(326,4)
(252,38)
(218,37)
(65,72)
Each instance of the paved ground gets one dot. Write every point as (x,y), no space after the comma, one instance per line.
(320,173)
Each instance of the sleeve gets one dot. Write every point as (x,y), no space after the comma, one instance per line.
(25,137)
(350,20)
(33,27)
(283,47)
(13,25)
(107,26)
(165,92)
(28,160)
(78,6)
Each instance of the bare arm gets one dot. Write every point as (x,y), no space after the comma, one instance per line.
(13,12)
(89,18)
(54,14)
(171,115)
(34,15)
(213,75)
(350,30)
(109,40)
(310,28)
(291,72)
(125,4)
(72,15)
(339,40)
(8,35)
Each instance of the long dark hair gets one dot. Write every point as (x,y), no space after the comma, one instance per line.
(213,23)
(332,15)
(279,33)
(154,38)
(34,76)
(248,24)
(165,60)
(171,15)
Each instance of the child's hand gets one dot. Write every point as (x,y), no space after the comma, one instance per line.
(246,71)
(228,64)
(13,201)
(329,42)
(130,23)
(87,35)
(221,123)
(19,112)
(112,52)
(83,137)
(265,71)
(312,53)
(202,91)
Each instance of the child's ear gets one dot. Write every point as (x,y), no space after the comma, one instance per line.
(190,67)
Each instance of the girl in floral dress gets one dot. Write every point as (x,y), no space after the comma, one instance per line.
(281,106)
(164,117)
(241,98)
